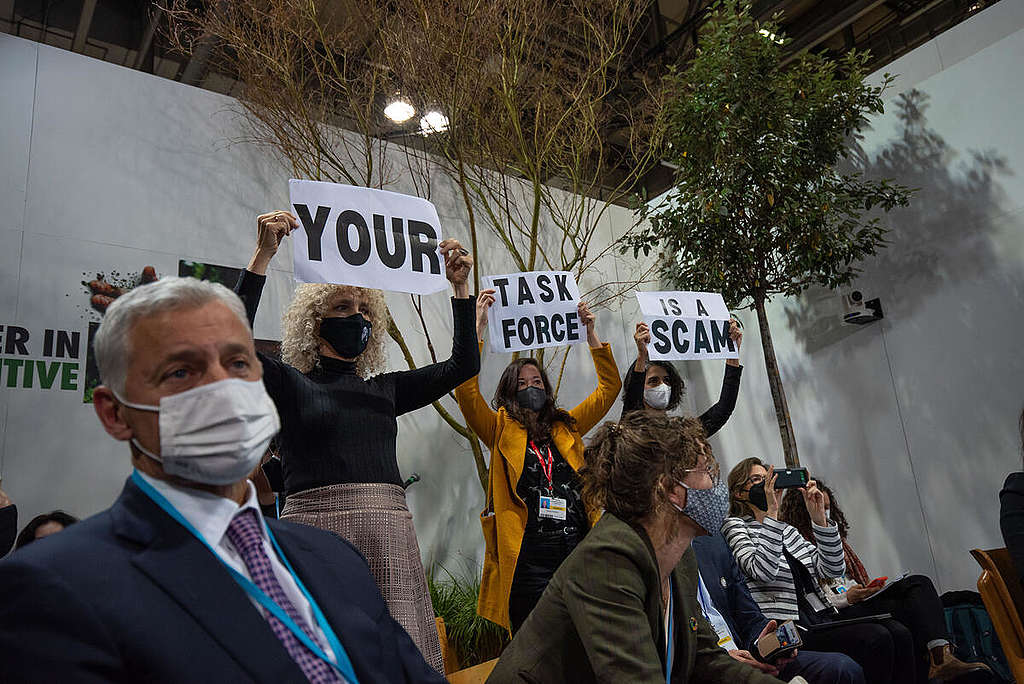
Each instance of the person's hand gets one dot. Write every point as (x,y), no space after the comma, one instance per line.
(271,229)
(736,335)
(748,659)
(771,493)
(5,500)
(588,319)
(457,265)
(642,337)
(858,593)
(483,305)
(814,500)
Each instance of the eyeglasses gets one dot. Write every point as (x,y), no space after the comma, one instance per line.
(711,470)
(754,480)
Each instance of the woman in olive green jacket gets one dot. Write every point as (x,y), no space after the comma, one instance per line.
(623,606)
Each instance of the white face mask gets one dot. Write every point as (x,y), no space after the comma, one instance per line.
(657,397)
(215,433)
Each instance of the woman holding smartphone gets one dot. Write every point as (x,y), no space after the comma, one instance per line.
(785,572)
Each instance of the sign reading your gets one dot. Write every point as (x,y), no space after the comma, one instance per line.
(534,310)
(369,238)
(687,326)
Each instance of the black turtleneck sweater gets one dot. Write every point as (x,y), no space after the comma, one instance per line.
(337,428)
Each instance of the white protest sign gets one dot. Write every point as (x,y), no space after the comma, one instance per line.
(687,326)
(534,310)
(359,236)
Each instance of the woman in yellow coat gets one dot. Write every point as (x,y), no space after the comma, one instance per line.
(534,515)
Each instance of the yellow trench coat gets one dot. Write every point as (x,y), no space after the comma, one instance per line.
(504,516)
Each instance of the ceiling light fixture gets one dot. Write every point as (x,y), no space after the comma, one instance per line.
(399,110)
(433,122)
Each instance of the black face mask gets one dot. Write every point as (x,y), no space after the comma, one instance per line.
(758,498)
(347,336)
(532,398)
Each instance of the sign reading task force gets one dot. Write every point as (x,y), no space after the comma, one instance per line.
(369,238)
(687,326)
(533,310)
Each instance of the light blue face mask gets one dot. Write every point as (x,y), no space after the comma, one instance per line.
(706,507)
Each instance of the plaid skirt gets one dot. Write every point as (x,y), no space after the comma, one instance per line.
(375,519)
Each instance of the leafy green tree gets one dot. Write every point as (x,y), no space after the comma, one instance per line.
(761,205)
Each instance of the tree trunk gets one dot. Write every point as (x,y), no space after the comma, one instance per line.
(771,364)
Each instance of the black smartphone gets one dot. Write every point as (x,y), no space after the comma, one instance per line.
(787,478)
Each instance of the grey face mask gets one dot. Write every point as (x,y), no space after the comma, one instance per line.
(706,507)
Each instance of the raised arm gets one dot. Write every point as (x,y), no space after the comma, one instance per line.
(477,413)
(715,417)
(418,387)
(829,559)
(592,409)
(633,397)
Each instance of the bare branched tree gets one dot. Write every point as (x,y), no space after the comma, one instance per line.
(546,129)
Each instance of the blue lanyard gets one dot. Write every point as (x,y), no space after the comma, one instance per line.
(671,645)
(343,666)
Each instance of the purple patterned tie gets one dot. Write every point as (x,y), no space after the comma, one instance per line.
(244,533)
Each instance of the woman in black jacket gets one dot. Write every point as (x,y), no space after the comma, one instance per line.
(338,418)
(657,386)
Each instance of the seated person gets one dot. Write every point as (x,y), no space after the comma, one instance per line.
(912,600)
(1011,515)
(43,526)
(182,579)
(785,572)
(622,607)
(737,620)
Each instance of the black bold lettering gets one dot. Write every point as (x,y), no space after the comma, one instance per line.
(67,345)
(558,327)
(524,292)
(543,334)
(701,311)
(562,283)
(700,335)
(525,331)
(502,283)
(544,284)
(720,335)
(314,228)
(674,307)
(47,342)
(572,326)
(424,245)
(396,258)
(659,332)
(678,331)
(359,255)
(16,338)
(508,330)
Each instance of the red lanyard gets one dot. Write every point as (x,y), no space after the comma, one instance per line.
(546,467)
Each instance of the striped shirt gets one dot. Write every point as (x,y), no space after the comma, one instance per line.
(758,551)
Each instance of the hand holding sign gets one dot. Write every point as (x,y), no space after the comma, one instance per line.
(483,303)
(457,265)
(271,229)
(688,326)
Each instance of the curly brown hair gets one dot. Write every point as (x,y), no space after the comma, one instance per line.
(627,462)
(793,511)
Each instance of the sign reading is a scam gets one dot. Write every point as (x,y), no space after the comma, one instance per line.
(359,236)
(534,310)
(687,326)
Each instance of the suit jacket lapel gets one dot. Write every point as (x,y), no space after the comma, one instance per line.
(195,579)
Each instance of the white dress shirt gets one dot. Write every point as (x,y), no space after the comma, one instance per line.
(211,515)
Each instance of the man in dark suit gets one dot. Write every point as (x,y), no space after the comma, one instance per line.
(730,597)
(182,580)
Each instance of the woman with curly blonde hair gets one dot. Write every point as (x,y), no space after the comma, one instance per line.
(338,418)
